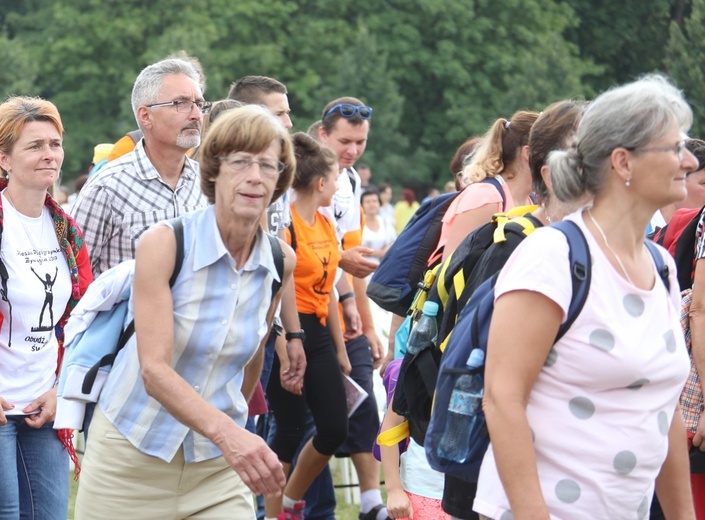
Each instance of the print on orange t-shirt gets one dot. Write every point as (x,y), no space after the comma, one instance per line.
(317,259)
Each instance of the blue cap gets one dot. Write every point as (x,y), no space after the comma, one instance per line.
(430,308)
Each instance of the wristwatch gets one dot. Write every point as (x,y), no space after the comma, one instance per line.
(296,335)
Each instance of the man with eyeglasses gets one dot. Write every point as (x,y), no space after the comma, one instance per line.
(345,125)
(154,182)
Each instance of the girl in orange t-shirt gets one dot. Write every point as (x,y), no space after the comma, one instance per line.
(313,238)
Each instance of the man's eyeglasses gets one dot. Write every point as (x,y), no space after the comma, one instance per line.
(267,168)
(184,105)
(347,110)
(679,149)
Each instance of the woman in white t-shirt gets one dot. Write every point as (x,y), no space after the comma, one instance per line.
(378,234)
(47,272)
(582,429)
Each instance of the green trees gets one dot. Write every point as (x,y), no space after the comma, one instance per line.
(435,71)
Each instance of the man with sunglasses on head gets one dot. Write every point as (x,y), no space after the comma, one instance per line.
(154,182)
(345,125)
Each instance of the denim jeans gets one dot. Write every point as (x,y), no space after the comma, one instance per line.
(34,472)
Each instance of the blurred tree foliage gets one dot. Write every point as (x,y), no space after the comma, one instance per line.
(435,71)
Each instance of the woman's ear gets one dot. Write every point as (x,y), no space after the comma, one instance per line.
(621,162)
(524,151)
(319,184)
(546,176)
(4,161)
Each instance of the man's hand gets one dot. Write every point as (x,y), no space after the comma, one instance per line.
(344,362)
(700,433)
(254,462)
(385,361)
(292,376)
(46,404)
(355,263)
(376,347)
(351,317)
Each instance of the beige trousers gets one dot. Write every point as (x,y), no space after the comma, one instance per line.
(119,482)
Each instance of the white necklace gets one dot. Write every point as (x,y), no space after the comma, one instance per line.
(607,244)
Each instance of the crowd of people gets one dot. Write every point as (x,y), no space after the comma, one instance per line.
(248,250)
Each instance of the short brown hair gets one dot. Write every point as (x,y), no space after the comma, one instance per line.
(250,129)
(17,111)
(329,121)
(252,89)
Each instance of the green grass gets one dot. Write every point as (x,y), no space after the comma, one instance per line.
(344,511)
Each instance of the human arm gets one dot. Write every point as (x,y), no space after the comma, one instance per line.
(353,261)
(466,222)
(246,453)
(336,334)
(46,405)
(673,481)
(351,316)
(398,505)
(296,368)
(510,374)
(697,336)
(368,322)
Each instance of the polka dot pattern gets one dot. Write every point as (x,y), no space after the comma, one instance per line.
(581,407)
(551,359)
(663,423)
(624,462)
(602,339)
(508,515)
(670,339)
(568,491)
(634,305)
(636,385)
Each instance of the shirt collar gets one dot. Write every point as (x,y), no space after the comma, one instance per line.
(146,169)
(209,247)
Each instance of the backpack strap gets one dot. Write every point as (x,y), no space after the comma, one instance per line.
(127,333)
(135,135)
(661,266)
(494,182)
(580,271)
(278,255)
(3,292)
(293,236)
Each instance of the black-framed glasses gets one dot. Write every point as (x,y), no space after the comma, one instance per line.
(184,105)
(679,149)
(348,110)
(243,164)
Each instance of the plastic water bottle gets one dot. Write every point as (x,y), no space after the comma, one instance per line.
(465,404)
(425,330)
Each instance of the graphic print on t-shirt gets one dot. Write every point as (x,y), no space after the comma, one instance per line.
(48,283)
(320,286)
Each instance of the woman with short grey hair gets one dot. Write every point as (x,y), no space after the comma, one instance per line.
(583,427)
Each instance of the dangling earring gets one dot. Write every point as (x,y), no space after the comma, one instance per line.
(629,182)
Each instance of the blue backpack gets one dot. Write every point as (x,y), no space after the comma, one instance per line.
(471,332)
(396,279)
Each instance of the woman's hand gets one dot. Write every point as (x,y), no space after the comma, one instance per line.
(398,504)
(344,362)
(4,405)
(46,404)
(699,439)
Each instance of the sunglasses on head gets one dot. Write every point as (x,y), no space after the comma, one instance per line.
(347,110)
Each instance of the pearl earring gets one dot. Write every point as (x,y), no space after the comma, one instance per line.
(629,182)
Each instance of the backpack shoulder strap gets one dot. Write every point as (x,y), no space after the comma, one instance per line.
(293,236)
(278,255)
(494,182)
(661,266)
(178,226)
(580,271)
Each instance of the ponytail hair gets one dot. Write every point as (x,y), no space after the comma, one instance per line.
(313,161)
(500,146)
(567,175)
